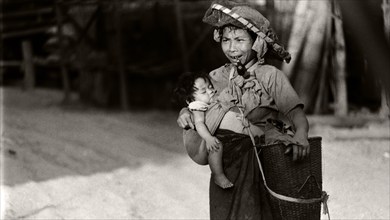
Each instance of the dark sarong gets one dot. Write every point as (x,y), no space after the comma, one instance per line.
(248,198)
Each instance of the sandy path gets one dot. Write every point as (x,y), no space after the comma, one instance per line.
(85,163)
(82,163)
(356,172)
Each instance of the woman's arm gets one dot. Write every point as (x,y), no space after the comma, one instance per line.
(298,118)
(193,143)
(289,104)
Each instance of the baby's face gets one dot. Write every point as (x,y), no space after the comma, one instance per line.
(204,91)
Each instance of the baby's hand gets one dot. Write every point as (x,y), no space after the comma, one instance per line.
(212,144)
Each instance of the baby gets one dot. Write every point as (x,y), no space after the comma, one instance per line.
(223,112)
(198,92)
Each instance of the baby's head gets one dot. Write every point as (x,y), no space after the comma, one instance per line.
(195,87)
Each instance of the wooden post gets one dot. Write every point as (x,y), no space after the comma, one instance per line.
(322,99)
(307,75)
(386,18)
(60,36)
(119,57)
(280,14)
(384,110)
(181,36)
(385,97)
(28,64)
(270,5)
(341,101)
(303,19)
(1,75)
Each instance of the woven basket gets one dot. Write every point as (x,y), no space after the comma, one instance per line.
(302,179)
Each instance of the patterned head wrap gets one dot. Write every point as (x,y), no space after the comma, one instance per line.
(222,13)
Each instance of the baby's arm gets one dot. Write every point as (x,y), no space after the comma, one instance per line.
(211,141)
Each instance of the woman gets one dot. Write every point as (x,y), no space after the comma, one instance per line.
(245,38)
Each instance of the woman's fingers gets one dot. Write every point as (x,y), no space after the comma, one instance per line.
(299,152)
(185,121)
(188,122)
(288,150)
(182,122)
(295,152)
(304,151)
(308,150)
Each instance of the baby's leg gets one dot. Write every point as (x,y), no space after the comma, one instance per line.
(215,162)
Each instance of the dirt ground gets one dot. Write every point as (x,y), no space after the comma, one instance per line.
(77,162)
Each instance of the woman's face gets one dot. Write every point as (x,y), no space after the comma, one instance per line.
(237,45)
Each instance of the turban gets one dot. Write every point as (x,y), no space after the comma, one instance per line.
(222,13)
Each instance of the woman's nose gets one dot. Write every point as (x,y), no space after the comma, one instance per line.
(232,46)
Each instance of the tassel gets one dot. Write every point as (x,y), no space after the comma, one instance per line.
(325,198)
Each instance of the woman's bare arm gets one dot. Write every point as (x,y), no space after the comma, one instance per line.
(193,143)
(298,117)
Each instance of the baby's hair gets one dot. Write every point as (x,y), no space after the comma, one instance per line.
(185,87)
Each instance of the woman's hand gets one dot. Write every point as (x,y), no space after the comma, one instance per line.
(301,149)
(185,119)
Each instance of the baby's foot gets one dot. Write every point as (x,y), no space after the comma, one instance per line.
(222,181)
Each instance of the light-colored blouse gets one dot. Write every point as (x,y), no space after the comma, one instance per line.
(266,94)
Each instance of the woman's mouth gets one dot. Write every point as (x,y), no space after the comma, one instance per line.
(235,59)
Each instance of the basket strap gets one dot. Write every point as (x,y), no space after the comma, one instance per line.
(324,197)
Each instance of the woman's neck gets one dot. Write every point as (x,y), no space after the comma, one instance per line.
(250,63)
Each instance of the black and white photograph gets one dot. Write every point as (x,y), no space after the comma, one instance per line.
(195,109)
